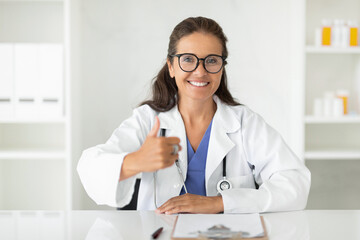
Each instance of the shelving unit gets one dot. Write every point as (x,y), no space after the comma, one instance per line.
(332,138)
(35,120)
(329,69)
(322,120)
(31,154)
(332,50)
(35,162)
(333,155)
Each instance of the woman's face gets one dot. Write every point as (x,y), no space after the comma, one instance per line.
(199,84)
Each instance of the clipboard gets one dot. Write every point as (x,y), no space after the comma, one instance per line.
(265,237)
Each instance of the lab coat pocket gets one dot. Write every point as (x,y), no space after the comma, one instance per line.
(246,181)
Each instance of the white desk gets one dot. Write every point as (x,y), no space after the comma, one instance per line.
(74,225)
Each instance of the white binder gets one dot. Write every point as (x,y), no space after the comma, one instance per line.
(51,80)
(26,81)
(6,80)
(39,81)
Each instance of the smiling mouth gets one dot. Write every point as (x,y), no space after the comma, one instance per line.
(198,84)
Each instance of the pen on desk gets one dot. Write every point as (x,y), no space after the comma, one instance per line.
(156,234)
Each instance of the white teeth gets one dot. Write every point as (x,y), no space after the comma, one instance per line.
(199,84)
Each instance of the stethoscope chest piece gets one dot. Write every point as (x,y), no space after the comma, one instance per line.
(223,185)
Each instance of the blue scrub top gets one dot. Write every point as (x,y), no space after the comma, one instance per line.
(195,176)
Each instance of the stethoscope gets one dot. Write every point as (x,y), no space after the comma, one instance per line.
(222,185)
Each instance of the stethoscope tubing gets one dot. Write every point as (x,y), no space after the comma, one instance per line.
(224,167)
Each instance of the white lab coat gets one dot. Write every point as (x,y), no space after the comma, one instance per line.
(254,152)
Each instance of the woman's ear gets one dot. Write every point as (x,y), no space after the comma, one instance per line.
(171,69)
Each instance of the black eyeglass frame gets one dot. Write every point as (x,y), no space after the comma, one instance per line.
(198,61)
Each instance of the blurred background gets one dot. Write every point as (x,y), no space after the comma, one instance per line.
(72,70)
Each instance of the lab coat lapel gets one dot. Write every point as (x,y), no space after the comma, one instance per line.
(220,144)
(224,122)
(174,125)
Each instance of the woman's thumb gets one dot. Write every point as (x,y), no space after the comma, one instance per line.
(155,129)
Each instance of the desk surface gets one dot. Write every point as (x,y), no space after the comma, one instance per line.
(74,225)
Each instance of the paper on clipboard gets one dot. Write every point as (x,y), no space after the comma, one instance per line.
(189,225)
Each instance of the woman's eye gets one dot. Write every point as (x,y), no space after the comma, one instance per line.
(211,60)
(188,59)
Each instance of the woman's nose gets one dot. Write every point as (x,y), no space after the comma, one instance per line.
(200,70)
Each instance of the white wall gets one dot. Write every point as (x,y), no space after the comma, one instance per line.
(121,45)
(24,22)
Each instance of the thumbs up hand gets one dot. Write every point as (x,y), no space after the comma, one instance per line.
(154,131)
(155,153)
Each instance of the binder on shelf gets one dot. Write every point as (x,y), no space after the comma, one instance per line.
(38,81)
(6,81)
(26,80)
(51,80)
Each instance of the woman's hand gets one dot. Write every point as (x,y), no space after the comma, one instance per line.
(191,203)
(154,154)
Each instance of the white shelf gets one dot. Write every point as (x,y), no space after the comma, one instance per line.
(344,119)
(55,120)
(32,154)
(333,155)
(29,1)
(348,50)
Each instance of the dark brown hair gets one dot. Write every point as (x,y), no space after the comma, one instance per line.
(164,89)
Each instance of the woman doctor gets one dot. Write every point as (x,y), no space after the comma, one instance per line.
(230,160)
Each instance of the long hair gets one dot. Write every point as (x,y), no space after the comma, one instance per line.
(164,89)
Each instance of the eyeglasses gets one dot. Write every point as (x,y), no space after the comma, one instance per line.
(188,62)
